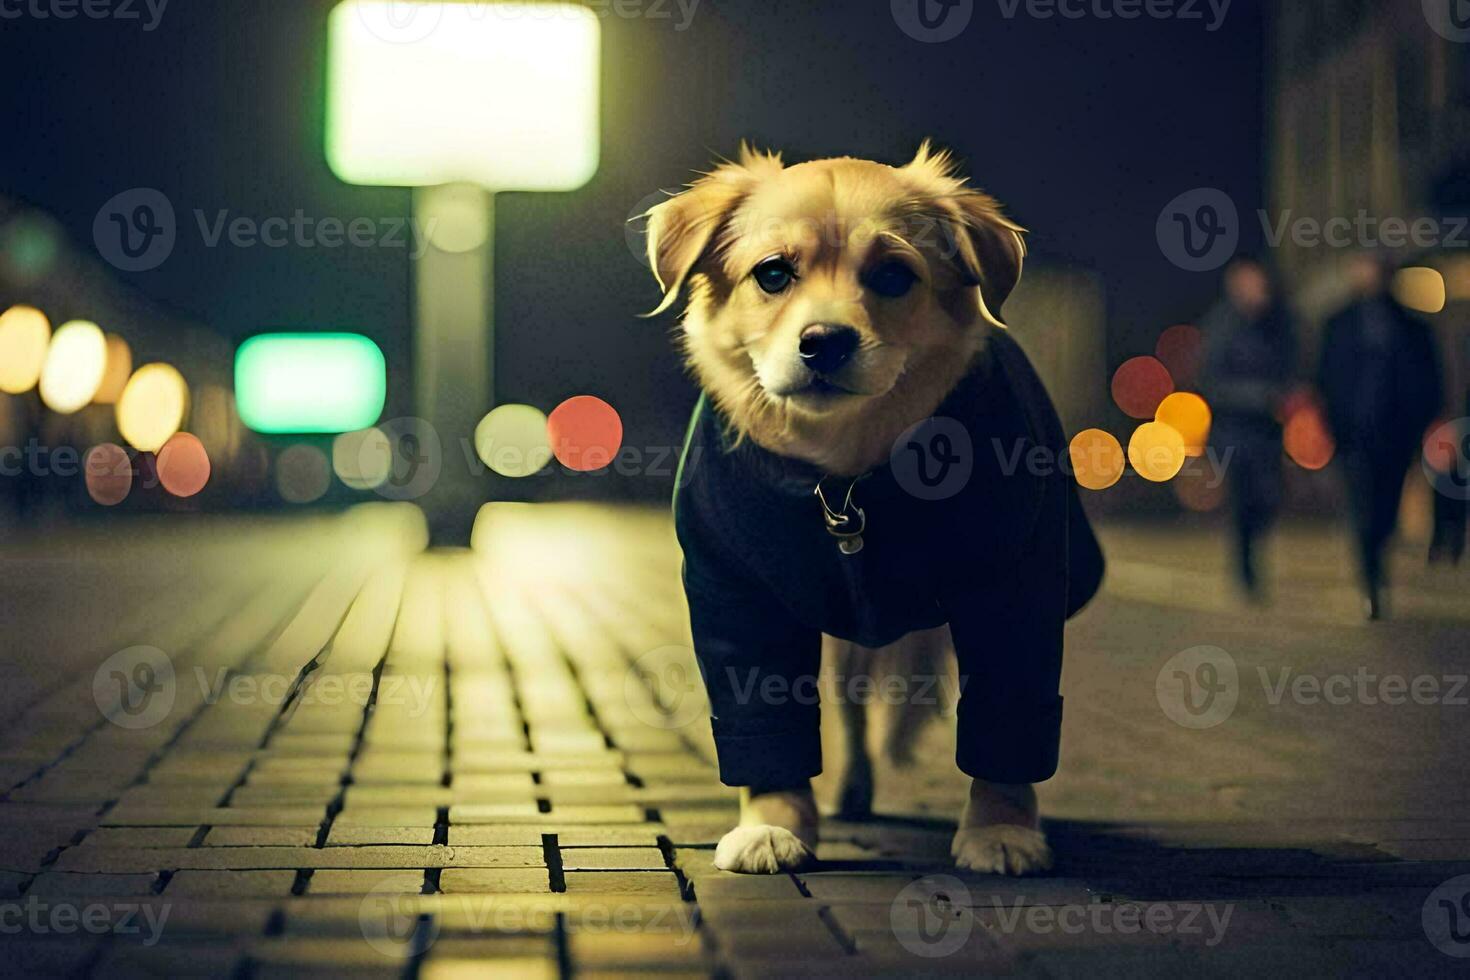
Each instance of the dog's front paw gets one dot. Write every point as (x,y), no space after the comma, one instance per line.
(1001,849)
(761,849)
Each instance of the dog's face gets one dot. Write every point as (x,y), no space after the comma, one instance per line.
(819,292)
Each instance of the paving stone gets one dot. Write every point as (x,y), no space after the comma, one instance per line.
(261,836)
(656,950)
(218,917)
(653,883)
(472,880)
(97,859)
(612,859)
(12,883)
(614,835)
(230,884)
(337,882)
(577,814)
(477,813)
(62,884)
(749,887)
(169,959)
(352,816)
(140,837)
(497,835)
(341,836)
(284,816)
(508,968)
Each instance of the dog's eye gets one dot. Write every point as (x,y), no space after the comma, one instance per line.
(774,275)
(891,279)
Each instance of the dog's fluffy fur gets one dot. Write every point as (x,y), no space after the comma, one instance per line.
(835,222)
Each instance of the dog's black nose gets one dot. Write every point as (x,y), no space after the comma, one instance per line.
(825,347)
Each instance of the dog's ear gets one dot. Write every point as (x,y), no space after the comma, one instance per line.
(987,247)
(683,230)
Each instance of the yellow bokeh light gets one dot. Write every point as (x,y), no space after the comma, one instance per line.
(119,369)
(75,362)
(24,334)
(1420,288)
(1097,459)
(1189,415)
(1157,451)
(152,406)
(362,460)
(513,441)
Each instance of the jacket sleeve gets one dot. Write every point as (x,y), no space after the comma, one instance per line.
(760,671)
(1007,625)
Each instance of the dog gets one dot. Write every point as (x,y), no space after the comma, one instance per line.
(842,319)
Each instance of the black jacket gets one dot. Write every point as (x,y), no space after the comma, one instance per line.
(1004,561)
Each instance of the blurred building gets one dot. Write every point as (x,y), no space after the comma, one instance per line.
(1370,122)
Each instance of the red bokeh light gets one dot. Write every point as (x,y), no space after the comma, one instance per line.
(1140,384)
(1181,350)
(183,465)
(585,433)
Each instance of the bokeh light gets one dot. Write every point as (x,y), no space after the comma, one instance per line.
(1420,288)
(109,474)
(585,433)
(1181,350)
(119,369)
(513,440)
(183,465)
(24,334)
(362,460)
(74,365)
(298,382)
(1156,451)
(302,474)
(212,418)
(1306,438)
(1140,384)
(1200,486)
(152,406)
(1189,415)
(1097,459)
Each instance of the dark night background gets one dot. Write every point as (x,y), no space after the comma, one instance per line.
(1084,128)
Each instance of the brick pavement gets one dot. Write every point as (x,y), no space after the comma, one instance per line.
(391,762)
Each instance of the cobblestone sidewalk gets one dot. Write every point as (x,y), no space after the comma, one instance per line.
(315,748)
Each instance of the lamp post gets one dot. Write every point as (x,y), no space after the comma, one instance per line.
(460,100)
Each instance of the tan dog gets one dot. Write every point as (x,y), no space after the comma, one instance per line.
(831,305)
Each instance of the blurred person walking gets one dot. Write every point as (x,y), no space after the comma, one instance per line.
(1249,364)
(1380,379)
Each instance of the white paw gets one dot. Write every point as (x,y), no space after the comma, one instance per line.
(761,849)
(1001,849)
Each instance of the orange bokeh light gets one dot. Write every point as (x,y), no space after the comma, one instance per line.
(585,433)
(1306,439)
(1140,384)
(183,465)
(1189,415)
(1097,459)
(109,474)
(1156,452)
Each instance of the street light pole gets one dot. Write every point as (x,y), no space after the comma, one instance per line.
(454,343)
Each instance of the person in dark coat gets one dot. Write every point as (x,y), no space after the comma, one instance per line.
(1380,378)
(1250,360)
